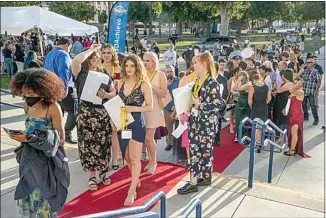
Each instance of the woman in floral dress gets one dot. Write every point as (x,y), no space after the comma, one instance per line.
(93,122)
(203,123)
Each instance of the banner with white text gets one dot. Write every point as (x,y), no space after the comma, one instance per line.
(118,26)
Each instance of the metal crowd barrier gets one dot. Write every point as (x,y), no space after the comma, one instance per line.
(268,137)
(194,204)
(134,210)
(8,104)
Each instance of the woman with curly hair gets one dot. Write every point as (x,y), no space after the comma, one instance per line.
(134,89)
(41,90)
(110,63)
(93,122)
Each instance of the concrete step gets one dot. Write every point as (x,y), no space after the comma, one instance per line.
(229,196)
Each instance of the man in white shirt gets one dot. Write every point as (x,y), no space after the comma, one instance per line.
(144,42)
(170,56)
(265,77)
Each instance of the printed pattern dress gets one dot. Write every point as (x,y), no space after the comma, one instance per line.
(202,129)
(94,132)
(33,205)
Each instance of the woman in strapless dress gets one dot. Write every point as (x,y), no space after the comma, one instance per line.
(154,118)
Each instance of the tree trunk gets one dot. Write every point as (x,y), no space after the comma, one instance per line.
(150,19)
(225,20)
(145,28)
(316,25)
(160,27)
(179,27)
(208,28)
(238,25)
(300,26)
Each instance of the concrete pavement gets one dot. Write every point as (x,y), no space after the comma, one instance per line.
(297,189)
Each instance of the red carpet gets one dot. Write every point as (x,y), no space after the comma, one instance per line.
(113,196)
(227,152)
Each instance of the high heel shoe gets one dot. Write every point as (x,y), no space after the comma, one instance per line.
(130,199)
(151,170)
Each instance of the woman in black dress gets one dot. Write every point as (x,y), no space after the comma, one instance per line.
(281,100)
(258,98)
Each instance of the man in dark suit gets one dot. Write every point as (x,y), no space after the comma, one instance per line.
(222,81)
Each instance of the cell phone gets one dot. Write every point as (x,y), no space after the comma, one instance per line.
(11,131)
(105,87)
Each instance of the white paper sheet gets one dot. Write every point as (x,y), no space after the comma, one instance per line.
(92,85)
(178,131)
(113,107)
(221,89)
(287,107)
(183,98)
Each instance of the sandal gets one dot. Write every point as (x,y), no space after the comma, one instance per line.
(92,184)
(289,153)
(105,179)
(115,166)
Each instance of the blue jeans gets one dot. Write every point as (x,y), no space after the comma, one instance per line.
(9,66)
(312,103)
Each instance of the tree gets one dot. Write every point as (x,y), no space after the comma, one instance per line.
(81,11)
(103,18)
(19,4)
(144,12)
(227,11)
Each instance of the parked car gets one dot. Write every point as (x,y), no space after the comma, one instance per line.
(224,41)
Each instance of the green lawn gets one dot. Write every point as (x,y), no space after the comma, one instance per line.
(4,81)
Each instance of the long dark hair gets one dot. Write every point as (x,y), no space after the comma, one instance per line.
(288,74)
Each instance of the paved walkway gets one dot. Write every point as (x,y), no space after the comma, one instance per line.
(297,189)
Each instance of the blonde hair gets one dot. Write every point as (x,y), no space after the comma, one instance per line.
(245,75)
(207,59)
(115,59)
(141,73)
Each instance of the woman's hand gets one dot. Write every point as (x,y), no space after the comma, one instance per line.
(62,142)
(103,94)
(130,109)
(95,47)
(181,118)
(283,112)
(22,137)
(114,128)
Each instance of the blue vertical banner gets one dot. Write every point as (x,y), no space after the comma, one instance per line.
(118,26)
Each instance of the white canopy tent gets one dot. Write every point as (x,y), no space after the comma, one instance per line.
(16,20)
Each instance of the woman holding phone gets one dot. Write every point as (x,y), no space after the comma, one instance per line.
(93,122)
(41,90)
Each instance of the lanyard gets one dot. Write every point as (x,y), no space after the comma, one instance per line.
(123,118)
(192,77)
(198,87)
(152,76)
(113,71)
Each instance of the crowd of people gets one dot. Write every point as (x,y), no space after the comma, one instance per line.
(255,86)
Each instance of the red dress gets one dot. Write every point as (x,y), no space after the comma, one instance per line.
(296,117)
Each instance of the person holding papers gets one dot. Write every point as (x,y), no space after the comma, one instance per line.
(110,63)
(203,121)
(155,118)
(93,122)
(134,89)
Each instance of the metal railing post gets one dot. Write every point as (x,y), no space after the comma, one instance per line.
(195,203)
(270,165)
(252,154)
(163,206)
